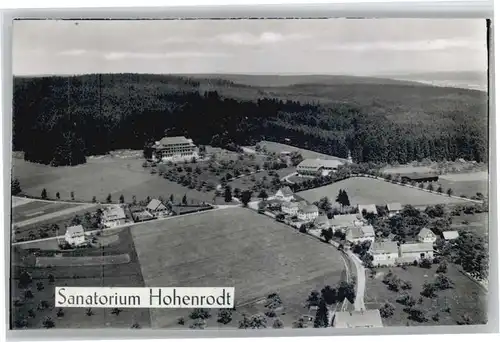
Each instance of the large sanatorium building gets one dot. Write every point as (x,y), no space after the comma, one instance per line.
(174,148)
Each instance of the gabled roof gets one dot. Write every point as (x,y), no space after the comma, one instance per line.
(394,206)
(451,235)
(424,232)
(290,204)
(286,191)
(317,163)
(416,247)
(311,208)
(75,230)
(322,220)
(370,208)
(360,232)
(174,140)
(154,204)
(114,212)
(358,319)
(347,220)
(384,247)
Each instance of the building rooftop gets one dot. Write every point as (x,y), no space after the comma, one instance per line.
(360,232)
(384,247)
(416,247)
(451,235)
(290,204)
(394,206)
(370,208)
(311,208)
(154,204)
(424,232)
(286,191)
(348,220)
(75,230)
(322,220)
(113,213)
(173,140)
(358,319)
(317,163)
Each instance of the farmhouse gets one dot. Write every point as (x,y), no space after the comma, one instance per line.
(410,252)
(384,253)
(317,167)
(322,222)
(157,208)
(450,235)
(394,209)
(346,221)
(308,213)
(360,234)
(367,208)
(290,208)
(420,177)
(358,319)
(284,194)
(75,235)
(113,216)
(426,236)
(174,148)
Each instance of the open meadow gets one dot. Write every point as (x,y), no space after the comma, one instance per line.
(236,248)
(275,147)
(465,298)
(362,190)
(114,265)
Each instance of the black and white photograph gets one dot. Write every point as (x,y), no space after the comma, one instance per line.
(332,172)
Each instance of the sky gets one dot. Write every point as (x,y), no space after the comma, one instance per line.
(372,47)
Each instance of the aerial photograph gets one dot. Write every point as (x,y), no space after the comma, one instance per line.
(334,172)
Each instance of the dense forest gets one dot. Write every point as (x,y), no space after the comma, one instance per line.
(60,120)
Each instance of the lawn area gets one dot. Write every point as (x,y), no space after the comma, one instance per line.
(464,187)
(306,154)
(475,222)
(363,190)
(235,248)
(34,209)
(465,298)
(102,275)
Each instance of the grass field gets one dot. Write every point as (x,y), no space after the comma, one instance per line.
(99,177)
(35,209)
(306,154)
(475,222)
(102,275)
(363,190)
(239,248)
(465,298)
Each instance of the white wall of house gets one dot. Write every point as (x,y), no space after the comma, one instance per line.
(114,223)
(361,239)
(385,259)
(429,238)
(393,213)
(307,216)
(417,255)
(75,239)
(290,211)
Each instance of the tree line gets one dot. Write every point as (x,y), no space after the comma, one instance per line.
(61,120)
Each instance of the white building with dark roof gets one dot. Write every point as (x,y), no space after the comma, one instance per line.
(156,208)
(308,212)
(450,235)
(113,216)
(360,234)
(394,209)
(416,251)
(358,319)
(346,221)
(385,253)
(322,222)
(317,167)
(284,194)
(75,235)
(426,236)
(174,148)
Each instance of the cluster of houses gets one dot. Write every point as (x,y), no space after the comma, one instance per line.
(357,229)
(115,216)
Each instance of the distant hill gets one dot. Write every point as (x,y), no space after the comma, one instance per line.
(458,79)
(377,120)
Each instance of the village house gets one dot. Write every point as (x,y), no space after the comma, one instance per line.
(367,208)
(174,148)
(358,319)
(114,216)
(290,208)
(410,252)
(157,208)
(385,253)
(360,234)
(426,236)
(75,235)
(284,194)
(308,212)
(393,209)
(450,235)
(318,167)
(344,222)
(322,222)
